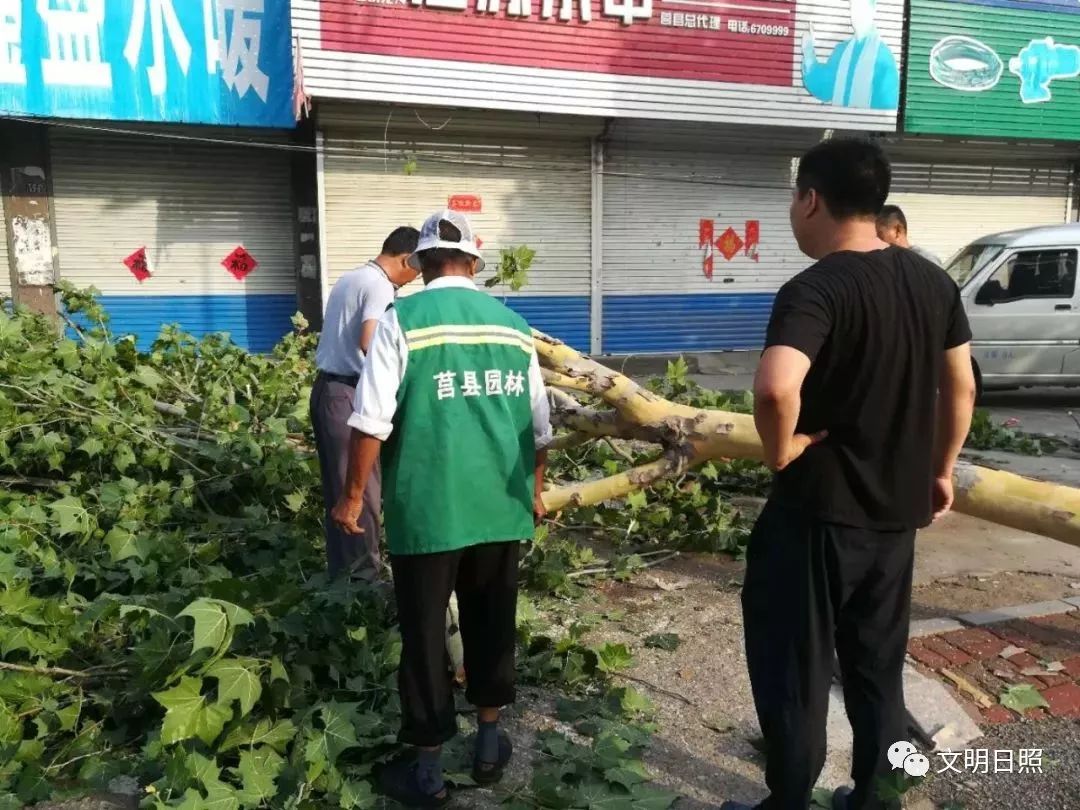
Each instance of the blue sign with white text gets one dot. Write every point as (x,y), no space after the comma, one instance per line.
(186,61)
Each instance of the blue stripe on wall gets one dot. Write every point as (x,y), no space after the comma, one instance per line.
(640,324)
(255,322)
(565,317)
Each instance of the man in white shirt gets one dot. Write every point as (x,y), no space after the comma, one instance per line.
(892,227)
(357,301)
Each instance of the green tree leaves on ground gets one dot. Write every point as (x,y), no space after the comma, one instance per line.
(162,587)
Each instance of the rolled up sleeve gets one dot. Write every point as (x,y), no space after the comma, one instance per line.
(375,401)
(541,410)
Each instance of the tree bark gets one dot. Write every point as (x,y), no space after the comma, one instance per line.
(692,436)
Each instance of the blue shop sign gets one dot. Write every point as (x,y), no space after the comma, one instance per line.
(189,61)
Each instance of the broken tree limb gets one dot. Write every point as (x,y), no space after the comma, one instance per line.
(689,437)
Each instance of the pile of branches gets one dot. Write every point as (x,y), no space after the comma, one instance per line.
(166,626)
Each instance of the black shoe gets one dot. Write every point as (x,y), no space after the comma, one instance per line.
(489,773)
(397,779)
(840,798)
(730,805)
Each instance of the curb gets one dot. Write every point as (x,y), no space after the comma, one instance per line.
(1031,610)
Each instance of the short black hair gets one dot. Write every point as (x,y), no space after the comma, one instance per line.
(891,214)
(401,241)
(851,174)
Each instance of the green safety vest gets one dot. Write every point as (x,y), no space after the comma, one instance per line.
(458,468)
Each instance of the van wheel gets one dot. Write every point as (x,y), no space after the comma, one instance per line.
(978,382)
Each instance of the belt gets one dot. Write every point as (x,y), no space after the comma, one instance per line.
(351,380)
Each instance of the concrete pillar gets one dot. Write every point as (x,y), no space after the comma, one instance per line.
(26,187)
(306,208)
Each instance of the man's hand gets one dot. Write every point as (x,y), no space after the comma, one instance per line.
(539,510)
(943,496)
(798,445)
(346,514)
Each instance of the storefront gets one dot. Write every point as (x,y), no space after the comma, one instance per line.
(523,179)
(987,70)
(645,153)
(171,223)
(177,231)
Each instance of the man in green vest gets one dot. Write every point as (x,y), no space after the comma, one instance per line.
(452,397)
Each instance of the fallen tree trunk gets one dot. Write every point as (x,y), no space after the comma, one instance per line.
(692,436)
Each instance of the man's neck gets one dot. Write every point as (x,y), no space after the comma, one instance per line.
(856,235)
(384,264)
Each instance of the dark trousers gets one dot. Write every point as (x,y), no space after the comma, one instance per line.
(485,580)
(811,587)
(331,407)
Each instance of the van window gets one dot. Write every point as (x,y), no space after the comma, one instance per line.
(969,261)
(1032,274)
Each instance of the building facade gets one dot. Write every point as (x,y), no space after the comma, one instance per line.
(642,148)
(147,155)
(990,91)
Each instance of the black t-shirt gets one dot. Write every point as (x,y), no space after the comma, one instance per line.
(876,326)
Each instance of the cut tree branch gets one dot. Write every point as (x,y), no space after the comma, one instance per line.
(691,436)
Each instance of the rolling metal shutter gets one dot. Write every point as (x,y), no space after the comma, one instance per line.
(5,268)
(955,191)
(962,203)
(531,175)
(189,204)
(656,295)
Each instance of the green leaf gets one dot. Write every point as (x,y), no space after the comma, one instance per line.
(601,796)
(637,500)
(649,798)
(295,500)
(278,671)
(237,616)
(611,750)
(71,516)
(664,641)
(123,544)
(630,773)
(258,772)
(124,457)
(337,735)
(822,798)
(631,701)
(211,624)
(265,732)
(613,658)
(236,681)
(1022,697)
(189,714)
(148,377)
(222,797)
(92,446)
(356,796)
(359,634)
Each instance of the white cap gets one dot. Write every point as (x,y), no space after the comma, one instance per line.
(429,237)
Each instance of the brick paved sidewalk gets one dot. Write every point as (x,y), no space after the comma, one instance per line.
(1042,651)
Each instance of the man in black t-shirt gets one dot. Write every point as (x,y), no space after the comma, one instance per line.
(863,399)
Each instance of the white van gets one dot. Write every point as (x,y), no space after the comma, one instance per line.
(1020,294)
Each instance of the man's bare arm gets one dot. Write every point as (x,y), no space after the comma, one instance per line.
(777,400)
(367,334)
(538,491)
(955,405)
(363,453)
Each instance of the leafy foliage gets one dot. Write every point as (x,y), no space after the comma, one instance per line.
(163,611)
(986,434)
(164,615)
(1022,697)
(513,269)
